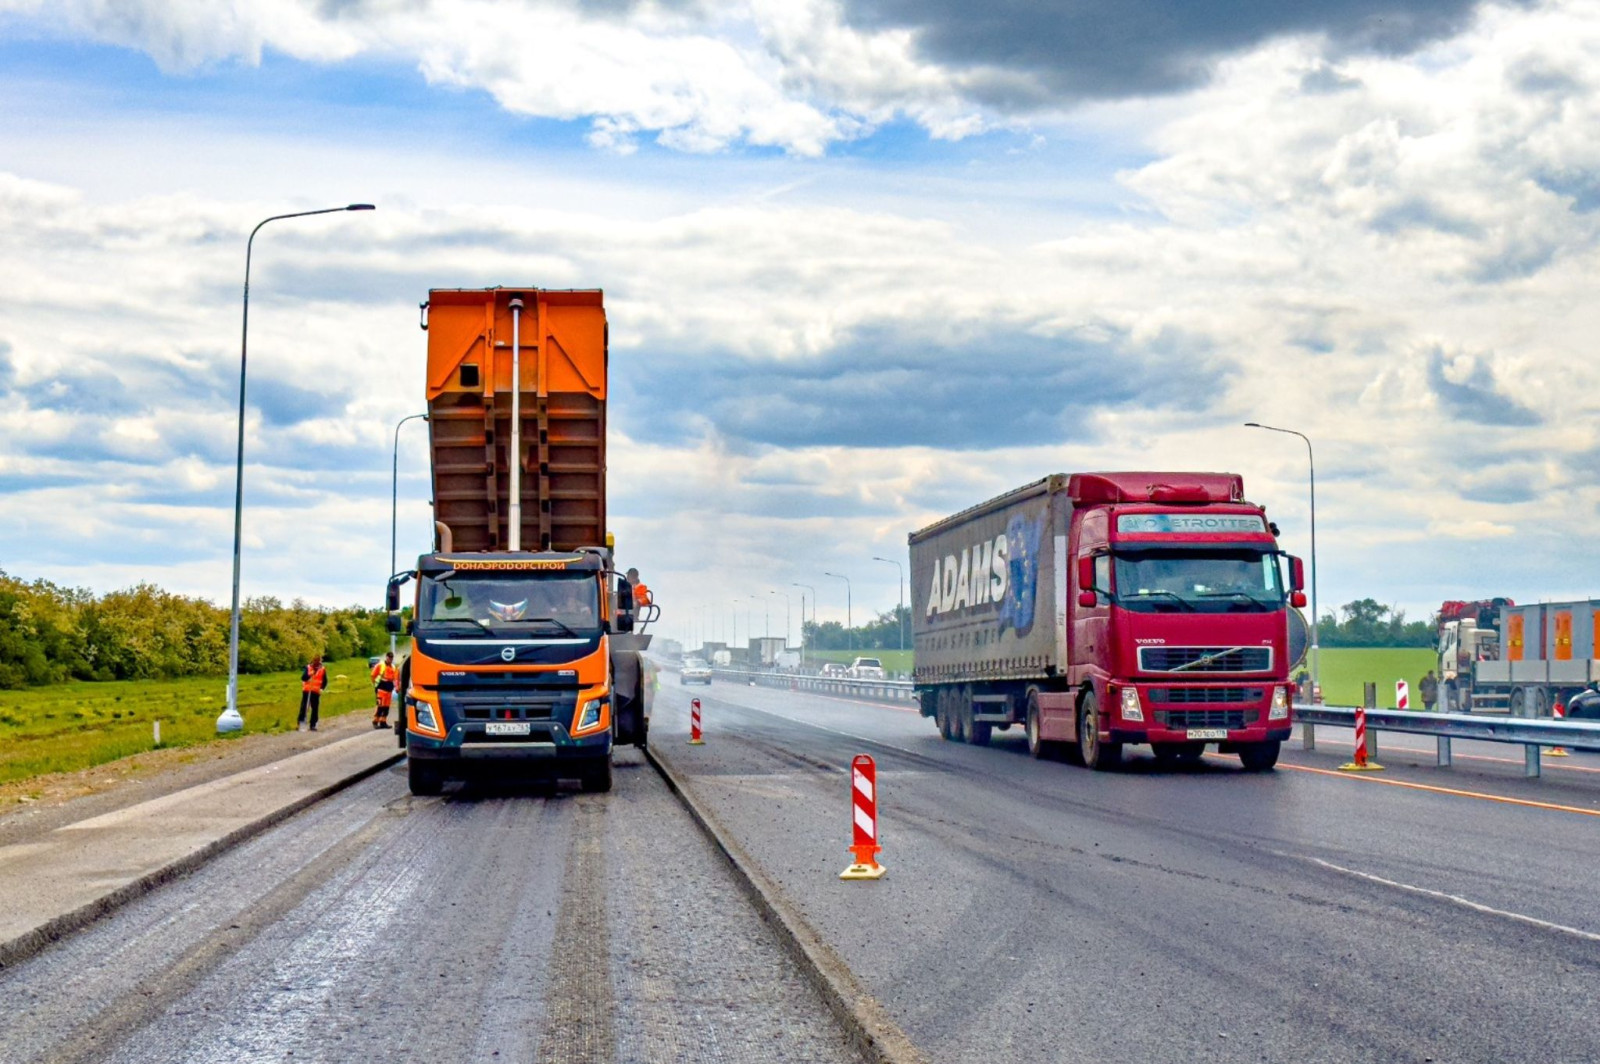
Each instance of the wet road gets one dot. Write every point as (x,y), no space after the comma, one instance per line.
(481,926)
(1037,911)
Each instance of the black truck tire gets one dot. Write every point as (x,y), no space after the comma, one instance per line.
(1100,756)
(596,778)
(1259,757)
(425,780)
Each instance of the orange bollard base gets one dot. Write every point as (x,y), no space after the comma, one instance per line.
(866,865)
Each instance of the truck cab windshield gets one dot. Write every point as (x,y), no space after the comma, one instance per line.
(566,602)
(1168,581)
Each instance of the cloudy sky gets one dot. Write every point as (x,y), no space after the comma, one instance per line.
(866,262)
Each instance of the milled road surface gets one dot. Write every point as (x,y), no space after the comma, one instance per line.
(487,925)
(1035,911)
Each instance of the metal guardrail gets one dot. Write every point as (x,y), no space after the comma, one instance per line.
(1531,734)
(878,690)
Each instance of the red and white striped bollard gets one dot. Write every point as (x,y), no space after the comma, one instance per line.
(1559,712)
(1361,764)
(694,723)
(864,820)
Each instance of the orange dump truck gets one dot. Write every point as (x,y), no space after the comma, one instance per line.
(525,652)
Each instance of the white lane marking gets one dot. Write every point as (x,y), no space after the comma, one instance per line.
(864,822)
(1456,899)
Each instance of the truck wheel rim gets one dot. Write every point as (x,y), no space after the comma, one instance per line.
(1089,731)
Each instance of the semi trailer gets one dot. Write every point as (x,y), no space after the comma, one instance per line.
(1098,610)
(526,647)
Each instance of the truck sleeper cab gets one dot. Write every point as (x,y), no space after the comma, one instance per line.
(1113,608)
(511,663)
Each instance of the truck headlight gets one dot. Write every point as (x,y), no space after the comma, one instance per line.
(1131,709)
(1280,704)
(426,719)
(591,713)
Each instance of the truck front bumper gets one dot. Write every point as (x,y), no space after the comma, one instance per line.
(1279,732)
(468,742)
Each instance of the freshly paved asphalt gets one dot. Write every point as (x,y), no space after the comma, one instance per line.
(486,925)
(1036,911)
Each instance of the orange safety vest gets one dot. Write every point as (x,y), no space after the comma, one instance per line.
(382,674)
(641,594)
(316,679)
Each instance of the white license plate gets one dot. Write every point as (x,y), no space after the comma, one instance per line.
(1208,733)
(506,727)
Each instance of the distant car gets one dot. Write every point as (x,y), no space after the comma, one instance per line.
(835,669)
(695,671)
(868,669)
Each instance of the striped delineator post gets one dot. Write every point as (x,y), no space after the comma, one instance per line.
(1402,695)
(1558,711)
(1361,764)
(864,820)
(694,723)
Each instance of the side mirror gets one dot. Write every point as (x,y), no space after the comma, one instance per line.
(1297,574)
(1086,599)
(394,622)
(1086,574)
(1297,599)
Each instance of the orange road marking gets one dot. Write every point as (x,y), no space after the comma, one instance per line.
(1504,799)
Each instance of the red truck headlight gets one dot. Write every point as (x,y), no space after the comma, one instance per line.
(1280,704)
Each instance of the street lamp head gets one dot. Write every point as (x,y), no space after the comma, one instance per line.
(361,207)
(1253,425)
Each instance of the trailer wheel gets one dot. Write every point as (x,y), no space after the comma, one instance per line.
(1102,757)
(424,780)
(941,714)
(976,732)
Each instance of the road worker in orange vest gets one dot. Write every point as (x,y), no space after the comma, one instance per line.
(313,681)
(384,675)
(641,590)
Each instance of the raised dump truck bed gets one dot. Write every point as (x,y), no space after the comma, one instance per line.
(562,362)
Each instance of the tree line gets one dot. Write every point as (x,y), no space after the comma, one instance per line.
(1369,623)
(883,632)
(50,633)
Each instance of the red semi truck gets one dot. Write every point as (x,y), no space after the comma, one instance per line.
(1103,609)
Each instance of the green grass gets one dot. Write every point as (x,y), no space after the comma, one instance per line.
(1345,669)
(895,661)
(72,726)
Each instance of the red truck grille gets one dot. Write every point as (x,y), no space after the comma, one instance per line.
(1205,659)
(1206,718)
(1178,696)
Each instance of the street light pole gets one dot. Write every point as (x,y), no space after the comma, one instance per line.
(1316,617)
(813,591)
(849,622)
(901,618)
(785,595)
(231,714)
(394,505)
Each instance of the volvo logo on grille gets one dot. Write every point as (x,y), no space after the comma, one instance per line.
(508,653)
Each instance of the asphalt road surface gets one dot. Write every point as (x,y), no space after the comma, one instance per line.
(487,925)
(1034,911)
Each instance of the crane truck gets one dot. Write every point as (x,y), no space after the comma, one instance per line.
(1103,609)
(1497,655)
(526,641)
